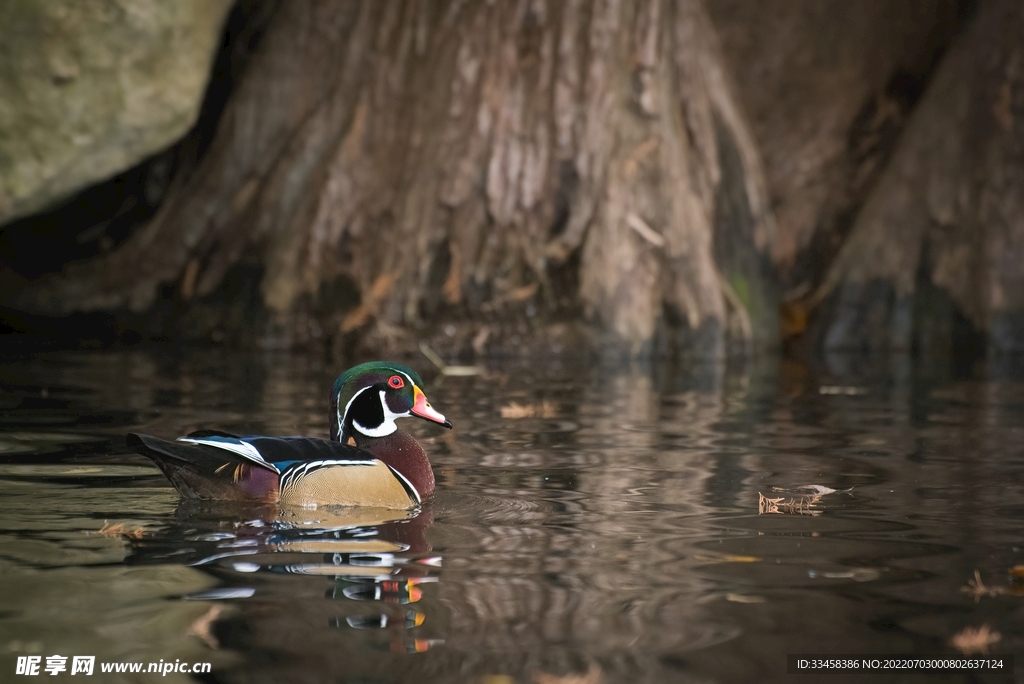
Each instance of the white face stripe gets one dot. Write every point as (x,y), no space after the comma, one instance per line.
(342,416)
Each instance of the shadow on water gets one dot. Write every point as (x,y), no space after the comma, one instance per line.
(626,524)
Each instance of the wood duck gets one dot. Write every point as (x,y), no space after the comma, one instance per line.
(367,461)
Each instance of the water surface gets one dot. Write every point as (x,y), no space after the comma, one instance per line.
(630,524)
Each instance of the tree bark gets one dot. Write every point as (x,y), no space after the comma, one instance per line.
(934,259)
(828,86)
(489,166)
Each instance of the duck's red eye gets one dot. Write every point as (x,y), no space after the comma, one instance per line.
(396,381)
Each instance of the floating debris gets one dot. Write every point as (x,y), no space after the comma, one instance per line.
(513,410)
(975,639)
(802,505)
(119,530)
(976,588)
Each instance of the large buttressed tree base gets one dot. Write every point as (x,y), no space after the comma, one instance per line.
(936,256)
(394,166)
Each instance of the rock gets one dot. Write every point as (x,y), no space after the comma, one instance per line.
(89,88)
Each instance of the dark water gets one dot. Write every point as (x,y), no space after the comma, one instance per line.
(617,534)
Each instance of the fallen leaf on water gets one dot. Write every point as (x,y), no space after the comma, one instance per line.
(513,410)
(803,505)
(976,588)
(1016,574)
(119,530)
(592,676)
(975,639)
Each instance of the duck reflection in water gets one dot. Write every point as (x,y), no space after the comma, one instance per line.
(377,560)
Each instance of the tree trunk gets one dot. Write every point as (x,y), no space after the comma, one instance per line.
(828,86)
(934,259)
(388,170)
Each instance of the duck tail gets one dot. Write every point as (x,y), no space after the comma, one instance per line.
(202,472)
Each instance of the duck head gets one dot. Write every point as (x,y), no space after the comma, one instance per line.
(366,400)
